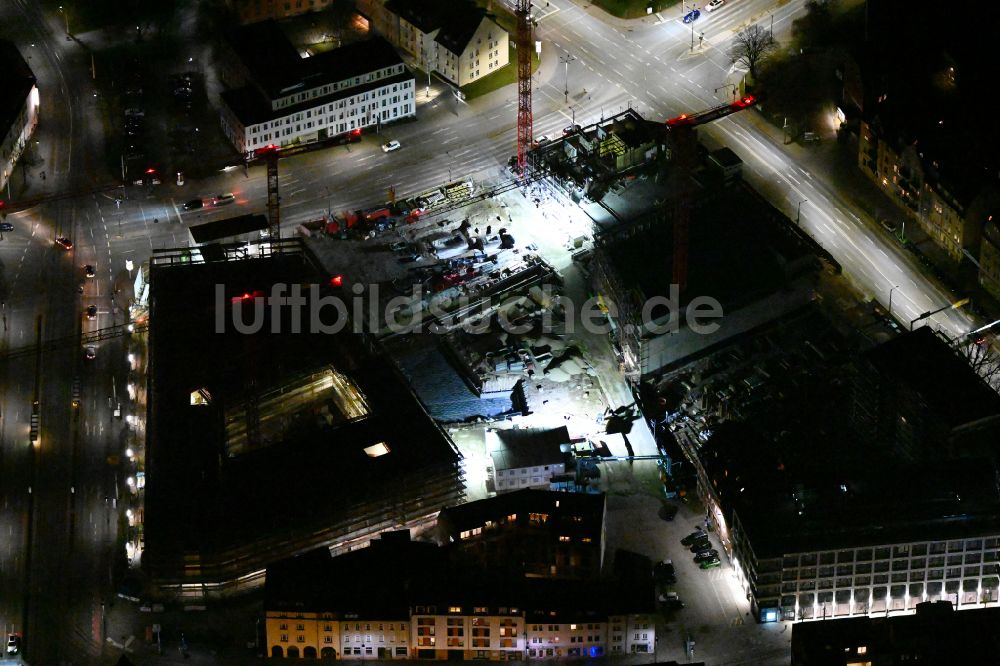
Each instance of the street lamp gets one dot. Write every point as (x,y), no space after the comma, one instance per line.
(890,299)
(566,60)
(798,212)
(66,18)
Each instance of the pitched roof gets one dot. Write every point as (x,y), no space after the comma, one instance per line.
(426,15)
(458,30)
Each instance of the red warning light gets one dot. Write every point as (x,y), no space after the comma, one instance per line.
(337,281)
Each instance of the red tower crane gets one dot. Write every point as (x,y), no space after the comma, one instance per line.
(525,122)
(685,150)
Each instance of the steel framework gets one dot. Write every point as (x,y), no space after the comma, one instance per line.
(525,122)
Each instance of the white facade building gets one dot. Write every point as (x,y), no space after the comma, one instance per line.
(526,458)
(285,99)
(18,108)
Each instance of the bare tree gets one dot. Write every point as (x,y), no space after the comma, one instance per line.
(751,47)
(984,359)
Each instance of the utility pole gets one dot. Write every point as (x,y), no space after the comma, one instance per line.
(566,60)
(890,299)
(798,212)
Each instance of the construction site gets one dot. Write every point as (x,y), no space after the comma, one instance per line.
(261,446)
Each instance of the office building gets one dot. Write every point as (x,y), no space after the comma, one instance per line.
(18,108)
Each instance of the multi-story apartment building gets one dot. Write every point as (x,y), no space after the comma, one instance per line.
(276,97)
(458,40)
(251,11)
(989,257)
(399,599)
(532,533)
(952,215)
(18,108)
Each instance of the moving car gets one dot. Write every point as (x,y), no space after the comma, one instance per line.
(710,564)
(390,146)
(715,4)
(90,353)
(222,199)
(64,243)
(691,538)
(91,312)
(569,129)
(13,644)
(707,555)
(6,226)
(692,16)
(542,139)
(89,271)
(193,204)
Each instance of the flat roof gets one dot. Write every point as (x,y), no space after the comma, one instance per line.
(800,478)
(949,387)
(201,501)
(16,81)
(589,506)
(227,228)
(279,70)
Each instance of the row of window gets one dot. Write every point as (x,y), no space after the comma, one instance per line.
(914,564)
(330,88)
(888,552)
(351,105)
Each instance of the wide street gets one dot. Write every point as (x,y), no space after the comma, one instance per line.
(59,521)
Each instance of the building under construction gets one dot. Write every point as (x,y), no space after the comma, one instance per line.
(264,445)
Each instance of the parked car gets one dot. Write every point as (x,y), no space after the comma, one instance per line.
(390,146)
(712,554)
(193,204)
(64,243)
(569,129)
(408,258)
(91,312)
(542,139)
(399,246)
(90,353)
(701,546)
(13,644)
(690,538)
(6,226)
(670,600)
(222,199)
(89,271)
(715,4)
(692,16)
(710,564)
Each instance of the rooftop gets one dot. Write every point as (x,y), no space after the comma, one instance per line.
(933,635)
(16,81)
(459,27)
(944,380)
(800,478)
(360,444)
(251,107)
(227,228)
(555,504)
(526,447)
(279,70)
(931,96)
